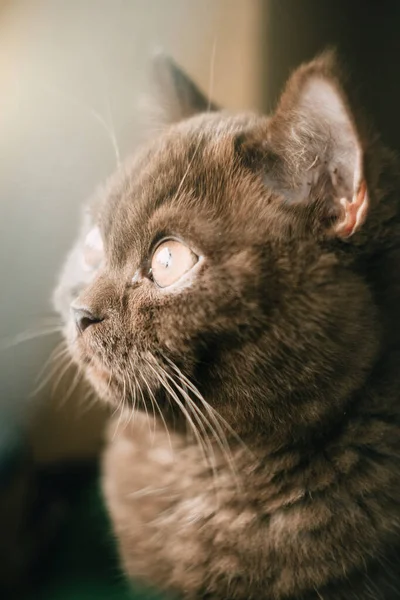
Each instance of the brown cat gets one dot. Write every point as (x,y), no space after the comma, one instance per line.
(241,305)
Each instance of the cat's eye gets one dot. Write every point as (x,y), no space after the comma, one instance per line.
(170,261)
(93,250)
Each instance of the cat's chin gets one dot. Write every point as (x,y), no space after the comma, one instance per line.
(109,388)
(101,380)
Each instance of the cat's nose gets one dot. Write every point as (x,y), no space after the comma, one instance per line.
(83,317)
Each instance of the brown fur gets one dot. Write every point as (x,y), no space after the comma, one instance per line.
(289,333)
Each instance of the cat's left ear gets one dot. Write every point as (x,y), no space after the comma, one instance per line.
(316,149)
(177,95)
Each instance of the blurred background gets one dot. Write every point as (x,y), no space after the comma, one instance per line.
(73,84)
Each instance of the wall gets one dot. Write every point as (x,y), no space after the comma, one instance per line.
(72,75)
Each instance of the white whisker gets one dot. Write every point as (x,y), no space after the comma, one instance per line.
(77,377)
(28,335)
(208,407)
(111,125)
(57,353)
(61,376)
(201,420)
(180,404)
(88,401)
(156,405)
(217,422)
(188,169)
(204,444)
(59,360)
(211,80)
(120,408)
(78,103)
(146,491)
(135,387)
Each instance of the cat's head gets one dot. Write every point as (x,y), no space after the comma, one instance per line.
(223,256)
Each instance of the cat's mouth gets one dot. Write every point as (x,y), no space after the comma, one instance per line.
(100,378)
(125,386)
(109,387)
(96,372)
(129,376)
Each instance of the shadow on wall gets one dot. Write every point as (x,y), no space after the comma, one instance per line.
(71,81)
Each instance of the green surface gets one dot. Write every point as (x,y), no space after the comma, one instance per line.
(84,565)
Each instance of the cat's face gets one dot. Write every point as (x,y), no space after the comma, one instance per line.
(214,260)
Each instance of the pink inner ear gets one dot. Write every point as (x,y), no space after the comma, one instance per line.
(355,212)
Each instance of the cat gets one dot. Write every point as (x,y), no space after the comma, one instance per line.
(235,292)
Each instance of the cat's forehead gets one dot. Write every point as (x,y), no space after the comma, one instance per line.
(191,167)
(188,150)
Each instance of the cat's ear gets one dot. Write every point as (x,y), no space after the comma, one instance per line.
(177,96)
(316,149)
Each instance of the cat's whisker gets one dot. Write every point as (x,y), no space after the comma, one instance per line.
(121,405)
(112,132)
(120,412)
(87,401)
(189,419)
(154,412)
(77,378)
(46,380)
(27,336)
(131,393)
(145,407)
(204,443)
(59,360)
(215,414)
(78,103)
(108,386)
(135,387)
(147,491)
(226,452)
(124,389)
(56,354)
(212,72)
(61,376)
(214,426)
(116,409)
(202,421)
(159,410)
(59,368)
(154,404)
(186,173)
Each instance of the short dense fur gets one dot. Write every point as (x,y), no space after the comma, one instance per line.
(283,350)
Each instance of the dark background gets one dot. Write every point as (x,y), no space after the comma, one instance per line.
(367,35)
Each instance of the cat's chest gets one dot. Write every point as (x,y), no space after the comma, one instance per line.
(154,477)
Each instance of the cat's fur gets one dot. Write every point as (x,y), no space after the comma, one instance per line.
(289,330)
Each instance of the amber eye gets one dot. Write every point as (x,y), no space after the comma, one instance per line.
(171,260)
(92,250)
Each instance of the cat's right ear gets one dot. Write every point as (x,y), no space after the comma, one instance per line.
(312,150)
(176,95)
